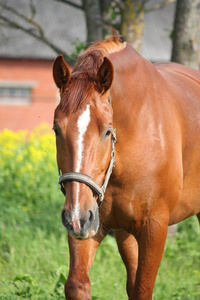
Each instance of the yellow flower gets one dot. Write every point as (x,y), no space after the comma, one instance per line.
(19,158)
(23,152)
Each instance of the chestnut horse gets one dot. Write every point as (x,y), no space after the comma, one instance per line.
(155,182)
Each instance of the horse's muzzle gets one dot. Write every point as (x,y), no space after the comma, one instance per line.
(83,227)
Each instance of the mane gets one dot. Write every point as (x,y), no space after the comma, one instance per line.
(83,77)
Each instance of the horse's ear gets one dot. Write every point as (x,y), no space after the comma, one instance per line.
(105,75)
(61,72)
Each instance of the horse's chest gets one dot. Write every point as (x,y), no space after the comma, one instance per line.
(126,207)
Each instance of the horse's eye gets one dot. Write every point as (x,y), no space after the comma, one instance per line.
(55,129)
(108,132)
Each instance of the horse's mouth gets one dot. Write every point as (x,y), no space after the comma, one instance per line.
(81,231)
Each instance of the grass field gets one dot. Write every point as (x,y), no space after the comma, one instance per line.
(34,255)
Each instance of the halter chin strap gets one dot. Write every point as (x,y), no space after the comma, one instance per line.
(79,177)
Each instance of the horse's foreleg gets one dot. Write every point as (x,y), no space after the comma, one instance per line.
(128,248)
(82,254)
(151,239)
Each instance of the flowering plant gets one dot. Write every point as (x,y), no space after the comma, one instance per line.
(28,171)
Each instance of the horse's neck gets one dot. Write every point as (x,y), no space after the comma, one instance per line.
(134,81)
(133,93)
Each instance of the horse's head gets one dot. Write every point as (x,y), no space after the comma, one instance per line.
(83,129)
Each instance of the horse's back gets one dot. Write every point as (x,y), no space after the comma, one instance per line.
(184,88)
(179,69)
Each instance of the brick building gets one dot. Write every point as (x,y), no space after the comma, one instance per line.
(28,95)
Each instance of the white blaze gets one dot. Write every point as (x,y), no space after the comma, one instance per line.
(82,125)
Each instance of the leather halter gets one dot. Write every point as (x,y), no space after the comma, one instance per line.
(79,177)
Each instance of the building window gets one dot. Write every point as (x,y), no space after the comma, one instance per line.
(15,93)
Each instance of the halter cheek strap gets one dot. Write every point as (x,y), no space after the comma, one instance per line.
(79,177)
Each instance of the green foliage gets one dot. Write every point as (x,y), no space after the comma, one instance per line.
(79,48)
(34,256)
(113,11)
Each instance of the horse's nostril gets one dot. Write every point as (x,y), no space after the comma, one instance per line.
(91,216)
(86,222)
(87,219)
(63,218)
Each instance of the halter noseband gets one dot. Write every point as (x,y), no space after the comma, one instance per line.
(82,178)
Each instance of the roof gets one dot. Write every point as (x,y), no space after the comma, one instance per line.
(65,25)
(62,24)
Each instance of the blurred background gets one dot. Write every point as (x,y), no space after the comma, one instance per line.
(33,33)
(34,255)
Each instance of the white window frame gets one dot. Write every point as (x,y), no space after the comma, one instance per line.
(18,97)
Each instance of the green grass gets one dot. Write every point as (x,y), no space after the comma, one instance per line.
(34,260)
(34,256)
(179,273)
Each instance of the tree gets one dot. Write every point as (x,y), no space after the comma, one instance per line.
(186,36)
(127,16)
(92,15)
(132,22)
